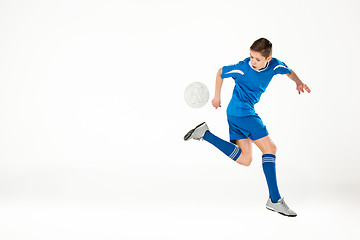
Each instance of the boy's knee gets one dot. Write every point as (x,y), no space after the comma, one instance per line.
(274,148)
(245,161)
(270,149)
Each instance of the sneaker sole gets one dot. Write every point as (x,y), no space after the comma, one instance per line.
(188,135)
(280,212)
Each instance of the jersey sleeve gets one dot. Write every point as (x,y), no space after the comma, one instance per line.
(281,68)
(232,71)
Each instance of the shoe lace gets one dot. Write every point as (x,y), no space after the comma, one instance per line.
(285,205)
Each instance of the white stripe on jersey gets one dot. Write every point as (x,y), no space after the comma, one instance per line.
(235,71)
(280,66)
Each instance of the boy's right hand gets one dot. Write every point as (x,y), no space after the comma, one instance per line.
(216,103)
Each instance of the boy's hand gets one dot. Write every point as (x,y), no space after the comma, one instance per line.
(216,103)
(301,86)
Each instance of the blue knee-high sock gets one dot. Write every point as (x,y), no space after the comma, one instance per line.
(229,149)
(268,163)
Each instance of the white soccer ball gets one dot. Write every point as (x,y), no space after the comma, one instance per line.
(196,95)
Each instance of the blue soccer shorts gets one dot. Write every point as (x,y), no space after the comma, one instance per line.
(246,127)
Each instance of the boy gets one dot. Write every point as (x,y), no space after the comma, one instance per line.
(252,76)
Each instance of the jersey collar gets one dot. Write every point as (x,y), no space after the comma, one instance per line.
(267,64)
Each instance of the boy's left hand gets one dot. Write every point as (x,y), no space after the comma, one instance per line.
(301,86)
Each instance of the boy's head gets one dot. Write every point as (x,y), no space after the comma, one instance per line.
(260,53)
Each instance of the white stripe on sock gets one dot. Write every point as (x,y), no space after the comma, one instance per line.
(268,159)
(234,153)
(231,155)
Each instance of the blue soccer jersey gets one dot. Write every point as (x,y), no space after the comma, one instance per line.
(250,84)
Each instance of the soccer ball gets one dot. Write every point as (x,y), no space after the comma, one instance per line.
(196,95)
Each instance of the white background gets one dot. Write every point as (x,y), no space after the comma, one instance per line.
(93,116)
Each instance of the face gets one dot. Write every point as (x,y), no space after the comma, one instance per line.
(258,61)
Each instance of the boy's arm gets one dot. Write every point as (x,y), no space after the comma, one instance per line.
(300,86)
(216,102)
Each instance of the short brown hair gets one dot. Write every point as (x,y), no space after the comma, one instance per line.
(263,46)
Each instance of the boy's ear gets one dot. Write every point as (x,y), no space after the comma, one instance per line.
(269,58)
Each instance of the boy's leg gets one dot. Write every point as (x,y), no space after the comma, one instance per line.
(202,132)
(246,151)
(266,145)
(275,202)
(268,148)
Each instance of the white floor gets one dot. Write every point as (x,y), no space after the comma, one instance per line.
(320,216)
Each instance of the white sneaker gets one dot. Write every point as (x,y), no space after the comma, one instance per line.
(197,133)
(280,207)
